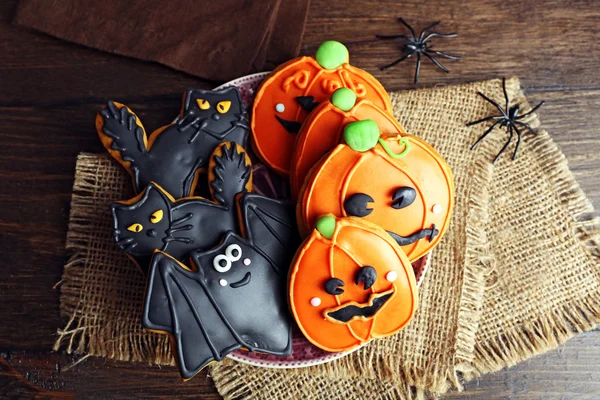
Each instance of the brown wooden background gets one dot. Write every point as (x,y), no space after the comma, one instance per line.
(50,92)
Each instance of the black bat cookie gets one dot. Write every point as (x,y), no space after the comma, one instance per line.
(154,220)
(172,156)
(234,299)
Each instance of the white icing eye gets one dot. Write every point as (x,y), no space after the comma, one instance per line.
(223,282)
(280,107)
(221,263)
(436,209)
(391,276)
(247,261)
(233,252)
(315,302)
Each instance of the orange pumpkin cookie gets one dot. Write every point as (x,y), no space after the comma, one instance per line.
(399,183)
(323,129)
(350,283)
(294,89)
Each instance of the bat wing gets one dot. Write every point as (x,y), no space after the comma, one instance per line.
(270,225)
(178,303)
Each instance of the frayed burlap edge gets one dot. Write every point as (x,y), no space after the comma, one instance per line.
(81,333)
(551,330)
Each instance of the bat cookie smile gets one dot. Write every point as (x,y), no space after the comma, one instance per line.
(352,310)
(242,282)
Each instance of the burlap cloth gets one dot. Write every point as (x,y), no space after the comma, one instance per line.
(517,273)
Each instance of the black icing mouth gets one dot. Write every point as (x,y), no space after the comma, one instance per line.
(290,126)
(345,314)
(422,234)
(242,282)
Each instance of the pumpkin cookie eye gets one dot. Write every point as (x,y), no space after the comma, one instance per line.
(356,205)
(135,228)
(203,104)
(223,106)
(367,275)
(333,286)
(308,103)
(403,197)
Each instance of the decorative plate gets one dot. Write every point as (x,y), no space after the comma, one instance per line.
(267,183)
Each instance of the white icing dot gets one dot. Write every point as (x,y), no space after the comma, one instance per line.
(315,302)
(436,209)
(391,276)
(280,107)
(247,261)
(223,282)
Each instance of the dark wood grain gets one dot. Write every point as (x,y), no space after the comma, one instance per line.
(50,91)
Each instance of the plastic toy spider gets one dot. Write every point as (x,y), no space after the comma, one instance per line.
(420,46)
(510,118)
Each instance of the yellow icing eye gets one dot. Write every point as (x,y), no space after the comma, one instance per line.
(223,106)
(135,228)
(203,104)
(156,216)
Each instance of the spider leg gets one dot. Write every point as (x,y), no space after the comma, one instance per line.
(403,22)
(531,111)
(494,103)
(439,53)
(418,68)
(436,62)
(534,131)
(518,142)
(428,28)
(505,94)
(479,121)
(391,36)
(487,132)
(404,57)
(510,131)
(442,35)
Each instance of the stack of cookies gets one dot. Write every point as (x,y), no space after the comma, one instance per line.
(228,270)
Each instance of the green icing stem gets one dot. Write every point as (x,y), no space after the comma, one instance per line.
(391,153)
(326,226)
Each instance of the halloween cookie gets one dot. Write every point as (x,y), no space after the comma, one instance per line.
(154,220)
(173,156)
(234,298)
(323,129)
(294,89)
(350,283)
(399,183)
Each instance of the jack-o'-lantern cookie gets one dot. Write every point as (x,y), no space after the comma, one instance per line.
(323,129)
(294,89)
(399,183)
(350,283)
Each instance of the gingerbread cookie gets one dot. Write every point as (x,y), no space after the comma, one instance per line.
(173,156)
(294,89)
(234,298)
(350,283)
(323,129)
(154,220)
(399,183)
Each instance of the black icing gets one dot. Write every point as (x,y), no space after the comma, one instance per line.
(403,197)
(332,286)
(308,103)
(431,233)
(345,314)
(356,205)
(208,320)
(290,126)
(366,275)
(182,148)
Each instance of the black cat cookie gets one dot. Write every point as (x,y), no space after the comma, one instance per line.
(154,220)
(174,155)
(233,298)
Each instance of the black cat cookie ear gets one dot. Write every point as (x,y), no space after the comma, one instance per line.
(229,173)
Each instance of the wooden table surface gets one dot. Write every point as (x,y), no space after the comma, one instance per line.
(50,91)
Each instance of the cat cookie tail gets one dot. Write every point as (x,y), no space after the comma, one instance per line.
(123,135)
(229,173)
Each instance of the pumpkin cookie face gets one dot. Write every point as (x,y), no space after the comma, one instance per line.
(323,130)
(399,183)
(350,283)
(294,89)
